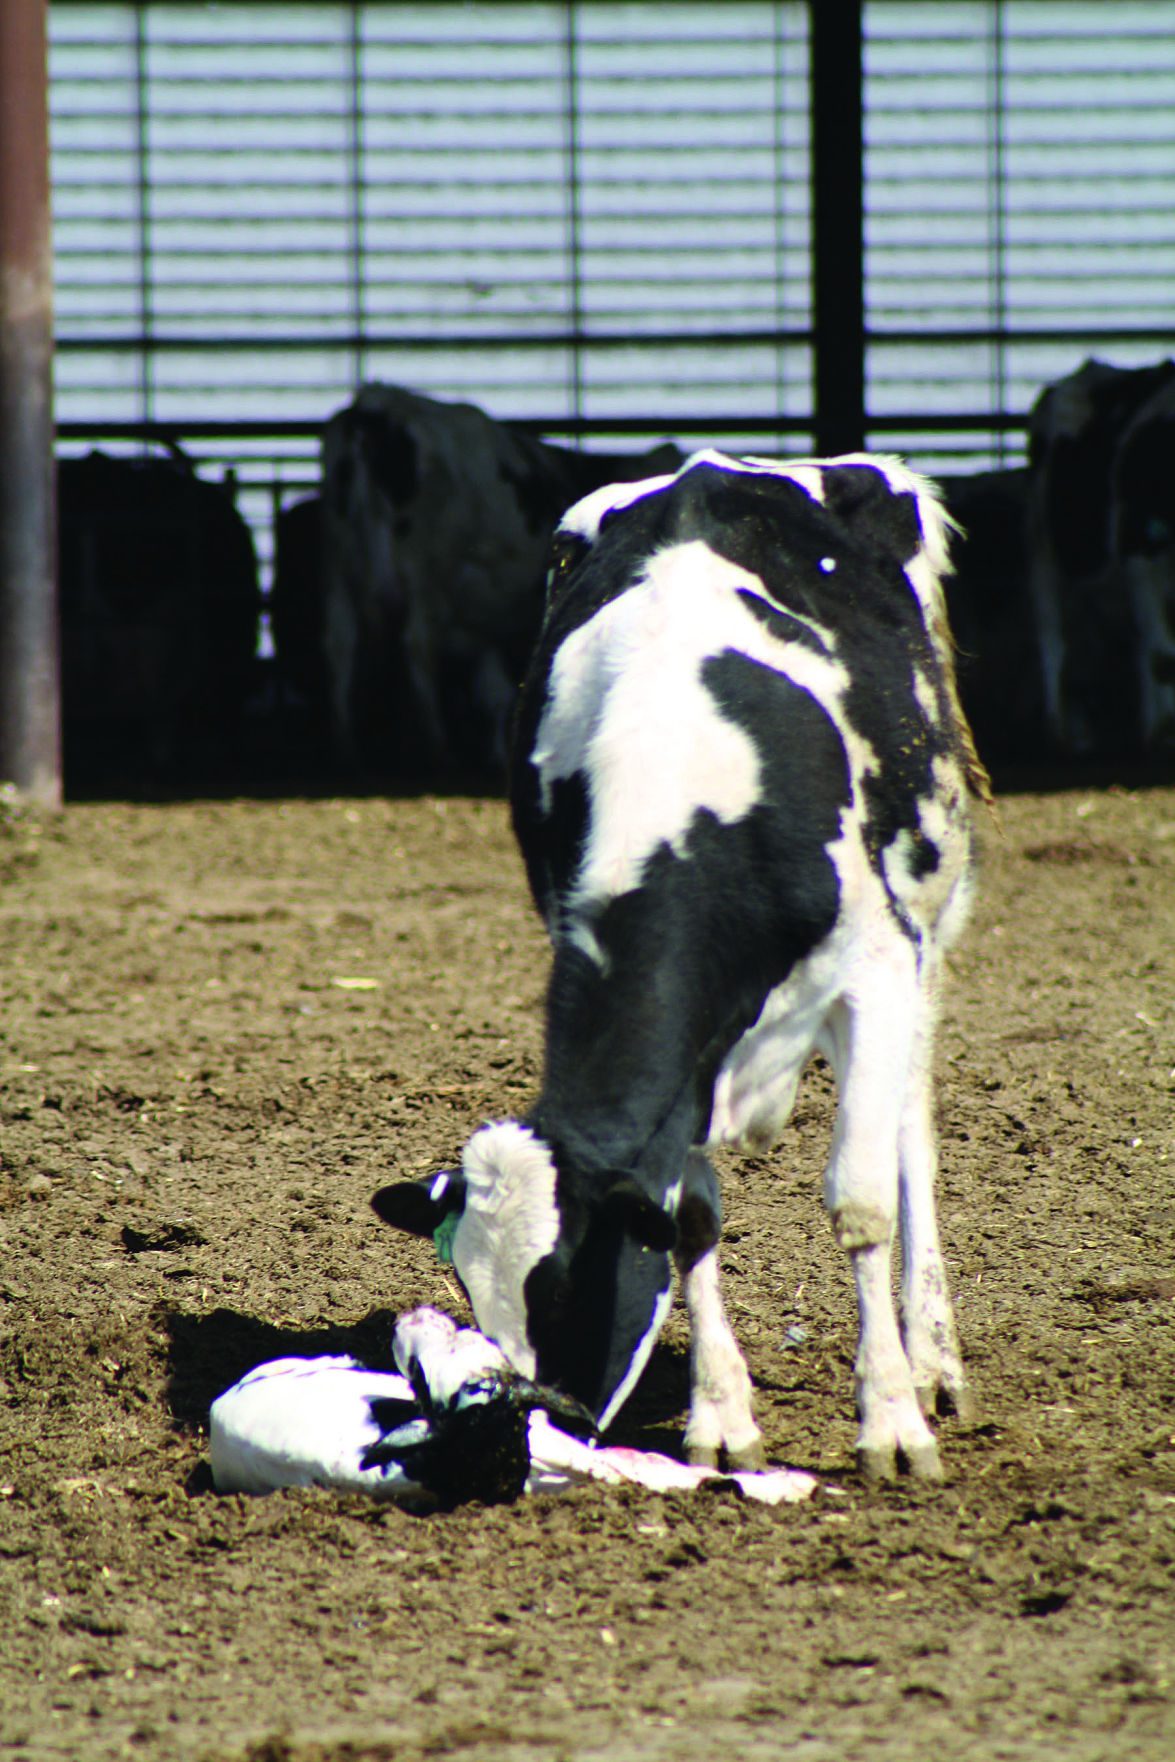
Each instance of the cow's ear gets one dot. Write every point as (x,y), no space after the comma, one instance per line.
(646,1221)
(421,1207)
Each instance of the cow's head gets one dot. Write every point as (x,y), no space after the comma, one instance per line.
(573,1290)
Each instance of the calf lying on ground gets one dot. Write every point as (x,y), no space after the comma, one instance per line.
(740,786)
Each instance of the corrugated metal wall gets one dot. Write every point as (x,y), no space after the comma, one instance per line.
(594,211)
(1020,204)
(597,216)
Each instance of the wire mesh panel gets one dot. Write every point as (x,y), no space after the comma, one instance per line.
(1020,196)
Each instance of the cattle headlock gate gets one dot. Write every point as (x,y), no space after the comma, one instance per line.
(771,224)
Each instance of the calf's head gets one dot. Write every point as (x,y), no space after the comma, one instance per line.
(572,1280)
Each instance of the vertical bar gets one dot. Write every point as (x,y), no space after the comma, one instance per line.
(574,216)
(355,174)
(838,224)
(997,218)
(30,691)
(143,172)
(779,173)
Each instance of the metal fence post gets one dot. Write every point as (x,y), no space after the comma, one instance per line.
(30,693)
(838,225)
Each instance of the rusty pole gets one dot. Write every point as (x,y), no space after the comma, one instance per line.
(30,690)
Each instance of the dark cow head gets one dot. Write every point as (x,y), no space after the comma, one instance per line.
(572,1286)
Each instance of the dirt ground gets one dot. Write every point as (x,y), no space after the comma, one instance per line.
(195,1114)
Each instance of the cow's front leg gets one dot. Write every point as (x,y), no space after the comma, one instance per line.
(720,1384)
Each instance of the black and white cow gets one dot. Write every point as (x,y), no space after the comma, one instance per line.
(740,787)
(1101,540)
(436,521)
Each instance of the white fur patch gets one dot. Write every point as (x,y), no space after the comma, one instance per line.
(584,519)
(510,1223)
(925,696)
(628,709)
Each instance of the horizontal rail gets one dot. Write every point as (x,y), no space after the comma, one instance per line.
(370,341)
(905,422)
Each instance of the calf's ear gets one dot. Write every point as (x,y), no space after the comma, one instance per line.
(420,1207)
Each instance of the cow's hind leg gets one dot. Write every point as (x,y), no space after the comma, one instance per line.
(720,1385)
(928,1323)
(871,1035)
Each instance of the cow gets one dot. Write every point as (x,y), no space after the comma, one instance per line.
(1142,551)
(997,653)
(159,605)
(436,523)
(295,601)
(740,787)
(1101,539)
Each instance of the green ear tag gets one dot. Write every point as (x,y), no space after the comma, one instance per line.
(443,1236)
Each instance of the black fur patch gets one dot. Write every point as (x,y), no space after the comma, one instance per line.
(392,455)
(588,1307)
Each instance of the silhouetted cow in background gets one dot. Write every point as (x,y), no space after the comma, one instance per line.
(159,606)
(1101,545)
(436,521)
(997,647)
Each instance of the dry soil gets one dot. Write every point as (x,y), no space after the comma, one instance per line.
(195,1112)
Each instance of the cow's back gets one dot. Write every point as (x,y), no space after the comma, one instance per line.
(739,748)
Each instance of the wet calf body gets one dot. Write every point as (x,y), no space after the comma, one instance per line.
(740,789)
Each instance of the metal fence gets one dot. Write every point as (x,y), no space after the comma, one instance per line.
(596,217)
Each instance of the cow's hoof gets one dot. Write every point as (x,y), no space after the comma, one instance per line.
(875,1464)
(923,1463)
(749,1460)
(936,1400)
(963,1403)
(701,1456)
